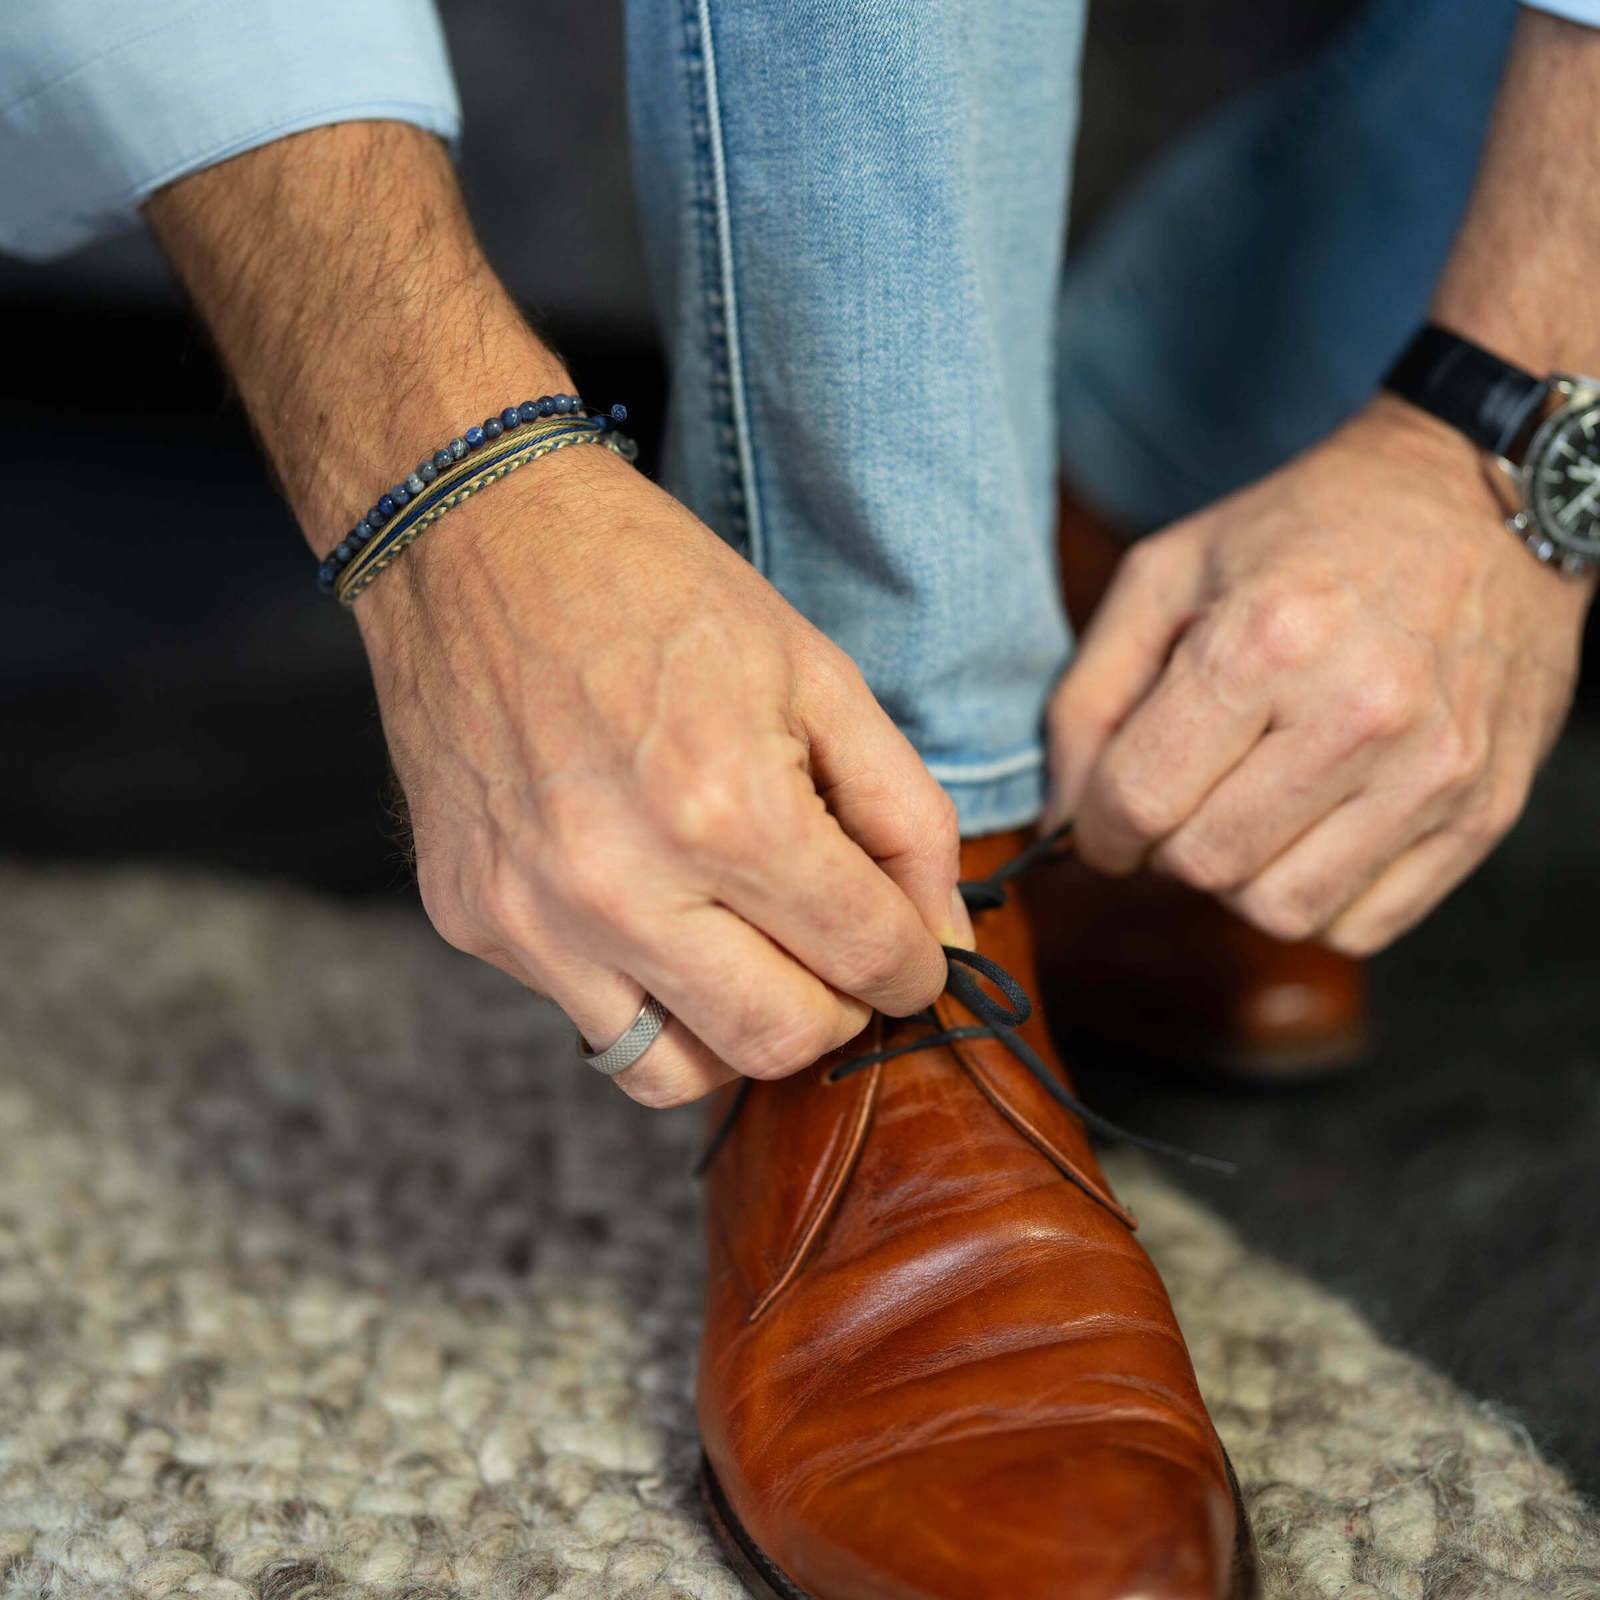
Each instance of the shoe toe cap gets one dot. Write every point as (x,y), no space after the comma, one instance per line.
(1040,1515)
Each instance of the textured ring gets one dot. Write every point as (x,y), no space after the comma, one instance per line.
(640,1035)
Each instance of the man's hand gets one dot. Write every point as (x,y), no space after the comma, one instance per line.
(1323,699)
(630,764)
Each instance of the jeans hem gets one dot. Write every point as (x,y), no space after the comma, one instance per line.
(987,804)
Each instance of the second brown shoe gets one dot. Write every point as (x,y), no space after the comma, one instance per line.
(936,1363)
(1149,965)
(1146,965)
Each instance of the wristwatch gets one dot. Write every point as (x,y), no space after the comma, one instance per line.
(1542,436)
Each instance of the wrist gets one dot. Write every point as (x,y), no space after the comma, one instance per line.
(502,549)
(352,306)
(1408,437)
(341,452)
(1422,448)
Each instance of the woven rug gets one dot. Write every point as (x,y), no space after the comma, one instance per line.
(325,1275)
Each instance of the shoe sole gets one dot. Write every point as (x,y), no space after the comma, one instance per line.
(766,1580)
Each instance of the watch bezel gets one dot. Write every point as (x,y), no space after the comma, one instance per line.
(1550,544)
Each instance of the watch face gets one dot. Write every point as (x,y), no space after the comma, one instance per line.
(1564,479)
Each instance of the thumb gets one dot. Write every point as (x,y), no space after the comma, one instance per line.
(1151,601)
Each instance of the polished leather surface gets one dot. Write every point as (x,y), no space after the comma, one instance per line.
(936,1362)
(1149,965)
(1146,965)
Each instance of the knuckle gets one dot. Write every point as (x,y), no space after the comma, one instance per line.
(781,1051)
(1100,847)
(592,886)
(1487,823)
(1451,763)
(1289,915)
(843,669)
(1135,805)
(660,1091)
(1202,863)
(711,810)
(498,908)
(944,821)
(871,968)
(923,827)
(1359,940)
(1289,924)
(1144,561)
(460,933)
(1503,813)
(919,999)
(1080,716)
(1382,701)
(451,920)
(1291,627)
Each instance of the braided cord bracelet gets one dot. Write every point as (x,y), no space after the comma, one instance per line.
(470,460)
(463,485)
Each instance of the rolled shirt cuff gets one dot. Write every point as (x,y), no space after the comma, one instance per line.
(101,105)
(1584,11)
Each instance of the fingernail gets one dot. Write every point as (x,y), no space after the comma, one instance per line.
(961,923)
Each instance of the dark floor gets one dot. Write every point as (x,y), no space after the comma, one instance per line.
(171,688)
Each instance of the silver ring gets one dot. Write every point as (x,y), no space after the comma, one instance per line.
(640,1035)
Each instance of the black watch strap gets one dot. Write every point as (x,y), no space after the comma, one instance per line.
(1461,383)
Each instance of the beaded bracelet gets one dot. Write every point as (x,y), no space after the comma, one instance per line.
(471,476)
(450,464)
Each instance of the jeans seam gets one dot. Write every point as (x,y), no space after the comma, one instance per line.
(713,223)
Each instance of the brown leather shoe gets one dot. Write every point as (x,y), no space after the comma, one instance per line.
(936,1363)
(1149,965)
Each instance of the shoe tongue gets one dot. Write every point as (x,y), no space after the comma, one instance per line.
(1005,935)
(1002,931)
(786,1164)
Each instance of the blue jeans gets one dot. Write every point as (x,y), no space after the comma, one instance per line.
(855,216)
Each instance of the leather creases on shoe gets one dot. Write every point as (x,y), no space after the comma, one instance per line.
(936,1363)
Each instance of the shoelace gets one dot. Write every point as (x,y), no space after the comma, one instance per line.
(996,1021)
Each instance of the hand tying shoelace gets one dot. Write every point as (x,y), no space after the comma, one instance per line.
(996,1021)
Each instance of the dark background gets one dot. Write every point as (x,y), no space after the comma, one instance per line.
(172,689)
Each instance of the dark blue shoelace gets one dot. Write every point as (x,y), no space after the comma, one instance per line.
(996,1021)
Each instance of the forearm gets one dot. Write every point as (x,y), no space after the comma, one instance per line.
(1522,279)
(590,787)
(342,281)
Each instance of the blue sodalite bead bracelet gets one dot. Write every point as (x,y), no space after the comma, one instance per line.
(493,462)
(438,478)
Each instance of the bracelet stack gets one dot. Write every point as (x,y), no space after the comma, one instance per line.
(480,456)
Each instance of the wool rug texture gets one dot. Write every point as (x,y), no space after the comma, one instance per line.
(326,1274)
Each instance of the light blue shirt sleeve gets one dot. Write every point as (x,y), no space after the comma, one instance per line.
(103,101)
(1585,11)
